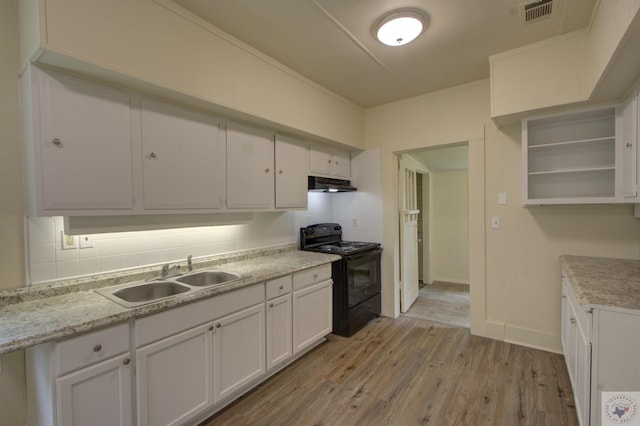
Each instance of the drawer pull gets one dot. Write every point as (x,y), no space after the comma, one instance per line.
(97,348)
(126,361)
(57,142)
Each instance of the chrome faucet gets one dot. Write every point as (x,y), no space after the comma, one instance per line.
(166,268)
(189,264)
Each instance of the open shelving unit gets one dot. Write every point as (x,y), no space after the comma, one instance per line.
(570,158)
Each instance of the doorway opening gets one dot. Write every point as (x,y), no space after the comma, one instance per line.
(441,241)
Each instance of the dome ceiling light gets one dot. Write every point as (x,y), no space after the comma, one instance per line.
(399,27)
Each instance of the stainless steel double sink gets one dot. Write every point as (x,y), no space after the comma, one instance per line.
(137,294)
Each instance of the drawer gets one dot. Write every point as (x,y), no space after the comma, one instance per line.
(311,276)
(279,287)
(175,320)
(87,349)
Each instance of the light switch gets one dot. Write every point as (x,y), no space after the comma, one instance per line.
(69,242)
(502,198)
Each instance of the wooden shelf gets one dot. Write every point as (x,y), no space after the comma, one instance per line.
(570,158)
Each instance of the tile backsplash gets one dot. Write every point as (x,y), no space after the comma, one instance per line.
(115,251)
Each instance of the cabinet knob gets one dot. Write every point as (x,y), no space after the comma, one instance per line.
(57,142)
(329,161)
(266,170)
(126,361)
(271,305)
(337,162)
(153,155)
(218,325)
(97,348)
(629,145)
(281,287)
(211,328)
(572,320)
(280,172)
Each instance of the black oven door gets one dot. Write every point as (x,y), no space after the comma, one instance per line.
(362,276)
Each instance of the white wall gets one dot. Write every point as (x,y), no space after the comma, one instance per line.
(12,378)
(519,275)
(450,226)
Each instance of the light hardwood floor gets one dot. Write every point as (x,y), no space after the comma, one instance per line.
(446,303)
(412,372)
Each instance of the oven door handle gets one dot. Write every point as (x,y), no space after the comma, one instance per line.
(365,254)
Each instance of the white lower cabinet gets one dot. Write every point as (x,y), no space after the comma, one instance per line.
(239,355)
(279,322)
(189,361)
(312,306)
(102,391)
(600,346)
(85,380)
(174,377)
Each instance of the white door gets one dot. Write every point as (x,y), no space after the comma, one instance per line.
(250,164)
(86,145)
(240,350)
(408,236)
(100,393)
(292,168)
(279,333)
(174,377)
(183,158)
(312,314)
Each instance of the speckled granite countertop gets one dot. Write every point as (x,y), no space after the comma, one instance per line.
(604,282)
(38,314)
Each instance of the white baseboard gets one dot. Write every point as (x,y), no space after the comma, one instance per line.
(451,280)
(535,339)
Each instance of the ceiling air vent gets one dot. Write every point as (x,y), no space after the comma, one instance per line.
(534,11)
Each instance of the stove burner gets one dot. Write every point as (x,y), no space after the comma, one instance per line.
(327,238)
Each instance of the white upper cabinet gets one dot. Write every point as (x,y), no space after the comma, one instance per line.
(292,167)
(571,158)
(250,164)
(629,151)
(183,158)
(78,145)
(325,160)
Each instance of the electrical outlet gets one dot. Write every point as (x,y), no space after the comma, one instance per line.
(69,242)
(354,222)
(86,241)
(495,222)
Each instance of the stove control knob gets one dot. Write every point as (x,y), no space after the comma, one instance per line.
(337,228)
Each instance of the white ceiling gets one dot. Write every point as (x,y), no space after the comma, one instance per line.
(332,43)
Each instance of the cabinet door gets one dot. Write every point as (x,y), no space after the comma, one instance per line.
(312,315)
(278,330)
(291,173)
(174,377)
(100,393)
(250,163)
(341,164)
(320,160)
(582,388)
(183,158)
(86,145)
(629,147)
(240,350)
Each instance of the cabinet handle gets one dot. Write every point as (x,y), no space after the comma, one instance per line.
(629,145)
(572,320)
(126,361)
(97,348)
(153,155)
(57,142)
(271,305)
